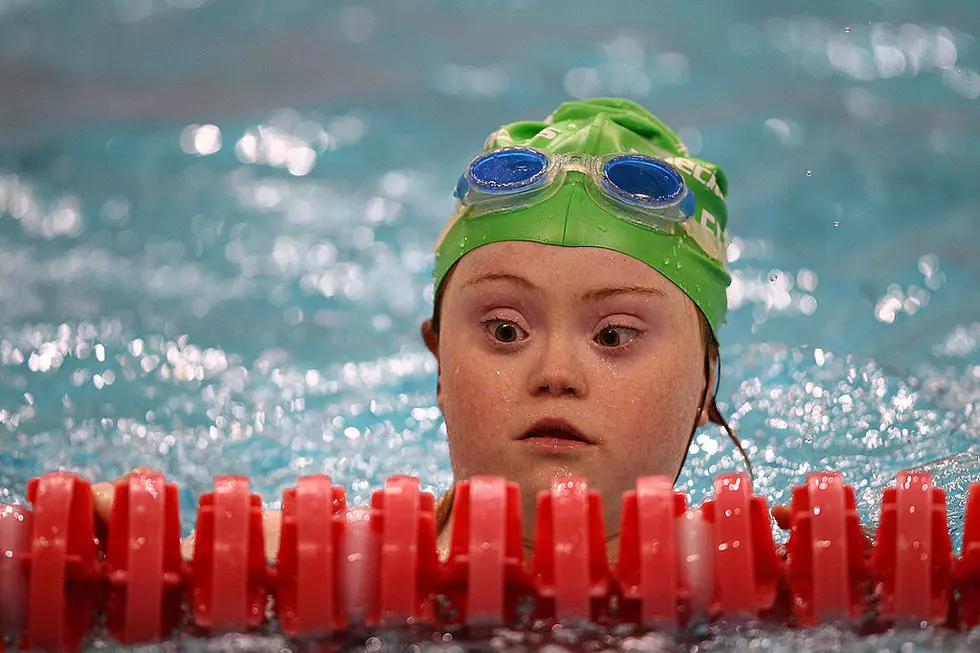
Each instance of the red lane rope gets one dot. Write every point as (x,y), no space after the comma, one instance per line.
(377,565)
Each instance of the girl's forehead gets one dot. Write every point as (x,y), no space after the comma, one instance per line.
(579,274)
(557,264)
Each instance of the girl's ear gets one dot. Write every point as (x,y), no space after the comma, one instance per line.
(431,339)
(709,410)
(705,415)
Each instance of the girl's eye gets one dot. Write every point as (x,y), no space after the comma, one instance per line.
(503,331)
(616,336)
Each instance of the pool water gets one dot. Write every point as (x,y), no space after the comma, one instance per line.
(216,222)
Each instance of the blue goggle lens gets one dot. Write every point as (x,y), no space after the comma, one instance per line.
(644,182)
(507,170)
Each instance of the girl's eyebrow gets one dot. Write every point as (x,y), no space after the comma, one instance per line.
(604,293)
(500,276)
(592,295)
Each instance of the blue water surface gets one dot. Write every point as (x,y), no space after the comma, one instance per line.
(216,222)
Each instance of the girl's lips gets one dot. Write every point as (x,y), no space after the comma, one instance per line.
(553,432)
(556,429)
(556,435)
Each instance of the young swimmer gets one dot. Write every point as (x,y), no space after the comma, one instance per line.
(580,284)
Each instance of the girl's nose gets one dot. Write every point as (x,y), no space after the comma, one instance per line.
(558,370)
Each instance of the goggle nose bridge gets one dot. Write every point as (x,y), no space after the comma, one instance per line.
(576,162)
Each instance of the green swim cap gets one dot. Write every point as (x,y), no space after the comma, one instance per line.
(693,257)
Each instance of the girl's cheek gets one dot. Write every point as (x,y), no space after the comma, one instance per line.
(479,380)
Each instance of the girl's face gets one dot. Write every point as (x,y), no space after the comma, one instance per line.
(567,361)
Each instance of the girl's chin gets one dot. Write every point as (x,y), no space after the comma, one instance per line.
(544,473)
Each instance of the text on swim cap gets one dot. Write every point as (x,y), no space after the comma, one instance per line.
(701,173)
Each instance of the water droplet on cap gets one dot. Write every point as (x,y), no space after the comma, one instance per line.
(809,173)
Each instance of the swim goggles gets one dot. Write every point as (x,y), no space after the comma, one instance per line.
(638,187)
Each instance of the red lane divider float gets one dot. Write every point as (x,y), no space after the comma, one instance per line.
(144,569)
(387,566)
(377,565)
(826,564)
(968,567)
(62,568)
(228,572)
(913,555)
(746,568)
(649,576)
(484,577)
(408,563)
(307,601)
(15,541)
(570,568)
(357,567)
